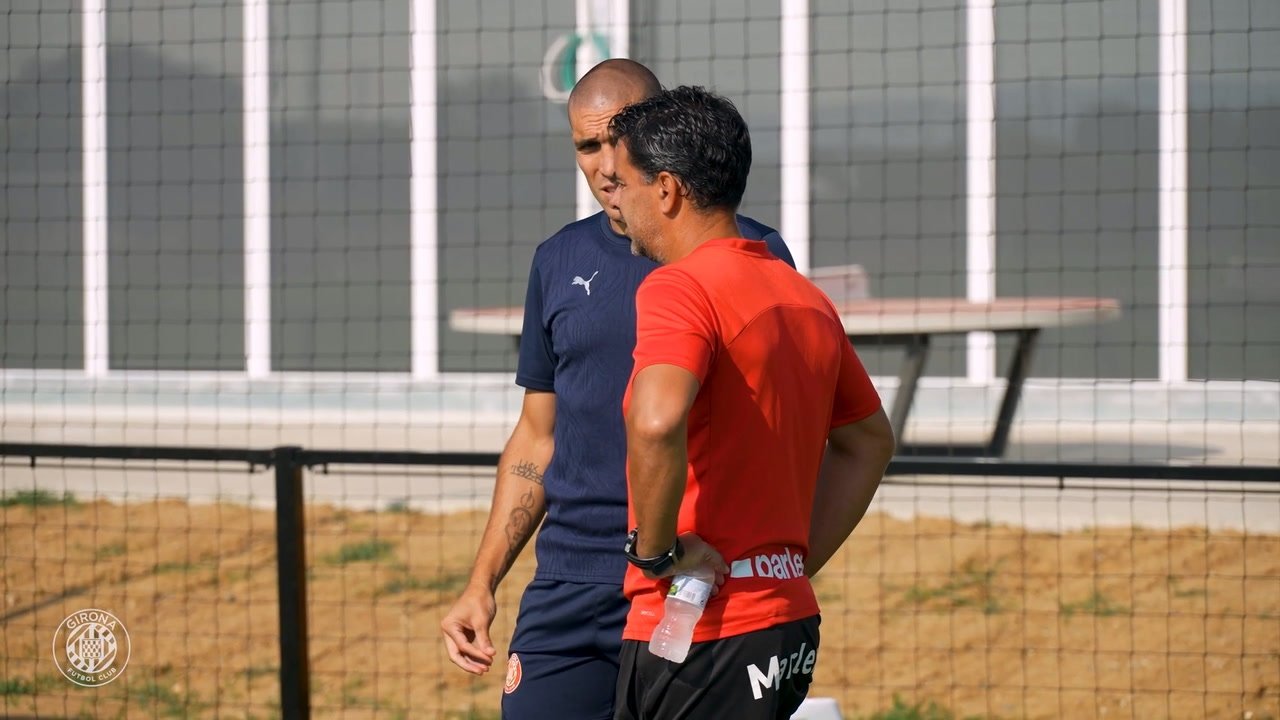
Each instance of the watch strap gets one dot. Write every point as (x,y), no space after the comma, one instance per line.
(658,564)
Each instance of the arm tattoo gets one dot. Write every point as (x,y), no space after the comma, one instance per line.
(519,526)
(527,470)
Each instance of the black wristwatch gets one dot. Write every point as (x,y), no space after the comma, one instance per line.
(655,565)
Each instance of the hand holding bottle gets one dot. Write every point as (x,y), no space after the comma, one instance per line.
(698,556)
(697,576)
(685,602)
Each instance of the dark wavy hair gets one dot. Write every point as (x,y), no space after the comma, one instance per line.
(695,135)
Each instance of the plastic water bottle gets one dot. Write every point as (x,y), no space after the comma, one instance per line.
(685,601)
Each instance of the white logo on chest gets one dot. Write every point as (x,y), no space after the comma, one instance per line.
(586,284)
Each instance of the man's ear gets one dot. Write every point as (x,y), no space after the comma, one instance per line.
(670,192)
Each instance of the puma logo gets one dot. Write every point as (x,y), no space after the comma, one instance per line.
(586,284)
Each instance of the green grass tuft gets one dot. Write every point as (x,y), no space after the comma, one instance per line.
(257,671)
(919,711)
(1095,604)
(110,550)
(166,568)
(473,714)
(973,586)
(1181,592)
(447,582)
(349,696)
(37,498)
(23,686)
(399,506)
(164,700)
(368,551)
(17,686)
(238,574)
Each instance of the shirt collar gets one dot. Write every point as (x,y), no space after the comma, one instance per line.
(751,247)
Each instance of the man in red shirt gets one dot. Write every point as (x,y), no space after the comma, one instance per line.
(755,440)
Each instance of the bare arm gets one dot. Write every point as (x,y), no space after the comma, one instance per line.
(658,452)
(856,457)
(658,466)
(519,503)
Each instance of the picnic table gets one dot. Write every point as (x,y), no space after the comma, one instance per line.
(912,323)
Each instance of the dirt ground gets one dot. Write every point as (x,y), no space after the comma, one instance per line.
(986,621)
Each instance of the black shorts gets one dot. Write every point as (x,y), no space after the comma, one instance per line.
(760,675)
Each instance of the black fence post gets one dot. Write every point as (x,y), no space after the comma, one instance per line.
(291,559)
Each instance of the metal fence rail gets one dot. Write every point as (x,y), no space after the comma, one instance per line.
(290,464)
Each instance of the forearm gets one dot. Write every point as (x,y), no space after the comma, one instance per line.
(657,465)
(847,482)
(519,503)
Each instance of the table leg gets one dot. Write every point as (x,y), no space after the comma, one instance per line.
(1019,368)
(908,378)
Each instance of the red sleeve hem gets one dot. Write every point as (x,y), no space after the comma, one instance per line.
(698,370)
(856,415)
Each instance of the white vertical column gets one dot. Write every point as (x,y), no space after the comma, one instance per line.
(424,207)
(257,189)
(93,28)
(619,28)
(1173,191)
(615,16)
(794,136)
(585,202)
(980,175)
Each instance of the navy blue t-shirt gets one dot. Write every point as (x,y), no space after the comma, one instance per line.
(579,333)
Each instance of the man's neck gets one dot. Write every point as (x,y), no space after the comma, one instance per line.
(694,229)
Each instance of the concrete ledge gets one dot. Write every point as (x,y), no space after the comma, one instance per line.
(949,399)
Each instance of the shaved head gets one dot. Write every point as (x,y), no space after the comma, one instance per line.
(598,96)
(614,83)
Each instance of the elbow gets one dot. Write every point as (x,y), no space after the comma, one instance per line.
(873,451)
(654,427)
(878,441)
(869,441)
(886,445)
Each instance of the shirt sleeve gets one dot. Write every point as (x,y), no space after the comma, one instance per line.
(536,368)
(675,324)
(856,398)
(756,230)
(779,248)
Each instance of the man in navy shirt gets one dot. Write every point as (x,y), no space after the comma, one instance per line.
(565,463)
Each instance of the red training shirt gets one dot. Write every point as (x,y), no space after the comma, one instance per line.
(776,373)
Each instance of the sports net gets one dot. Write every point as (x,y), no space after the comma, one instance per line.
(264,223)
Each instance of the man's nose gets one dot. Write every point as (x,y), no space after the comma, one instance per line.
(606,161)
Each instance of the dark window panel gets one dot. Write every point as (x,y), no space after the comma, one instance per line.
(887,155)
(1077,175)
(41,271)
(175,193)
(340,186)
(506,163)
(1234,200)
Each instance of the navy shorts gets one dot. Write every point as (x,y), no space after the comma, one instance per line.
(563,663)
